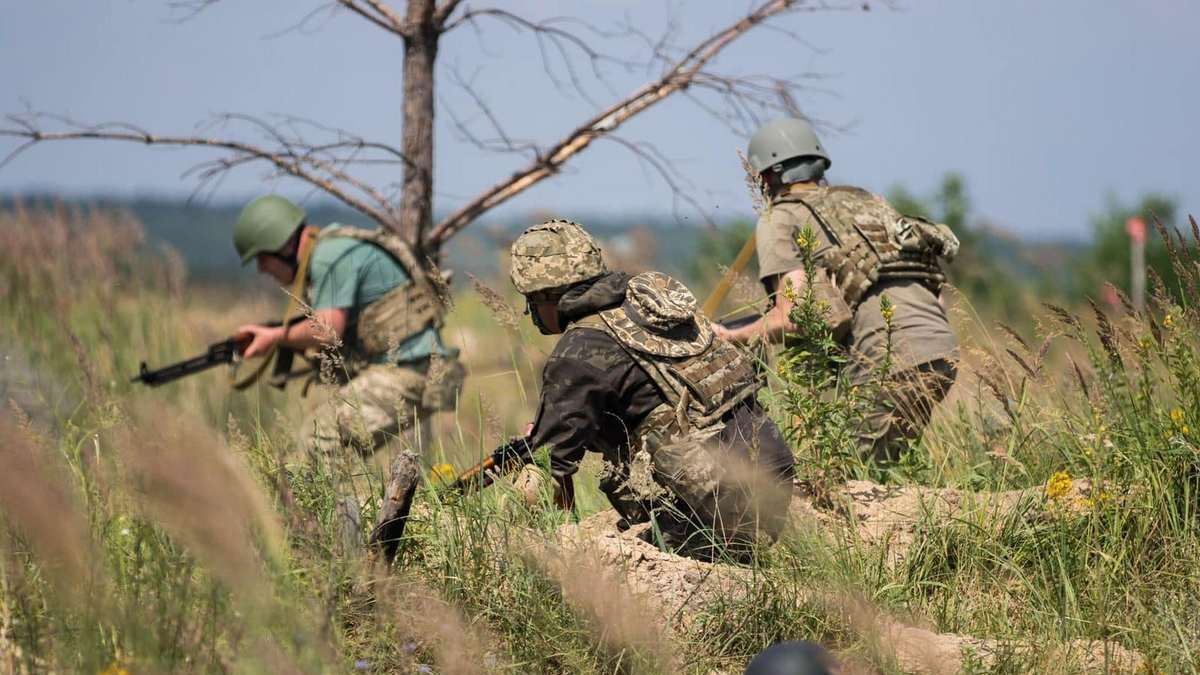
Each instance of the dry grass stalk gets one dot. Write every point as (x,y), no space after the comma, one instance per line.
(188,480)
(755,185)
(618,618)
(37,501)
(459,646)
(100,243)
(503,312)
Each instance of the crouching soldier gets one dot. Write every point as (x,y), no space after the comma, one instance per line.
(368,295)
(864,251)
(638,377)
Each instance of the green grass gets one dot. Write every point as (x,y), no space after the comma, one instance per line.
(178,530)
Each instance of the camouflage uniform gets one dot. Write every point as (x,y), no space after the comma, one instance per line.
(866,250)
(638,378)
(393,368)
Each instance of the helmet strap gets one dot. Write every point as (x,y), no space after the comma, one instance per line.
(290,253)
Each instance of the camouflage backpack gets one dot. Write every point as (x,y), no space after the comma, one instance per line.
(403,311)
(872,241)
(700,377)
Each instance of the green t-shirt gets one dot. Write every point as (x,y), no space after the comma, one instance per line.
(350,274)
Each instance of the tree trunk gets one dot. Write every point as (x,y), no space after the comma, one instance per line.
(420,53)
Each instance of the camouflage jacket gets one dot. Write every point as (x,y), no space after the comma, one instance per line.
(594,394)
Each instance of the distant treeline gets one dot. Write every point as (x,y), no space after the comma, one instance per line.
(995,267)
(202,233)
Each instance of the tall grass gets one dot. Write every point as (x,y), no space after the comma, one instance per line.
(180,529)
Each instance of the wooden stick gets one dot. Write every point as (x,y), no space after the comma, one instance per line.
(713,303)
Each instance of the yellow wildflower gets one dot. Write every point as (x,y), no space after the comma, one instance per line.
(807,239)
(1059,485)
(789,291)
(442,473)
(887,308)
(114,669)
(1177,416)
(1169,321)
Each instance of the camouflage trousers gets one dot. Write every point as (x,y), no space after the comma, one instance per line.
(902,410)
(705,500)
(379,403)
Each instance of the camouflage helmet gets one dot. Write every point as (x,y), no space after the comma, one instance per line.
(778,141)
(265,225)
(554,254)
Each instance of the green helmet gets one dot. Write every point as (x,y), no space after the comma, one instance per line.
(554,254)
(265,226)
(776,142)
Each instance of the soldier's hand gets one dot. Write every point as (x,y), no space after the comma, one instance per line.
(722,332)
(262,338)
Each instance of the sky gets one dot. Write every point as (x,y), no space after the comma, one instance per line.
(1047,109)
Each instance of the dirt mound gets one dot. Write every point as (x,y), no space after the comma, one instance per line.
(667,583)
(673,587)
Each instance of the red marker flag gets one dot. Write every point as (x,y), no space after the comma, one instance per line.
(1136,227)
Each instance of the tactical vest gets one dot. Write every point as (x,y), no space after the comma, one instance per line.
(402,312)
(701,378)
(872,242)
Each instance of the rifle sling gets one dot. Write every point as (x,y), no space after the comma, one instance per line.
(307,244)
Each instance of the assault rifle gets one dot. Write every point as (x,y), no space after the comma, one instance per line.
(225,351)
(504,460)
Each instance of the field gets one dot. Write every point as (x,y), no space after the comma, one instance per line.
(1048,522)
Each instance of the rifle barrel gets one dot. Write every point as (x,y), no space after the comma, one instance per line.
(216,354)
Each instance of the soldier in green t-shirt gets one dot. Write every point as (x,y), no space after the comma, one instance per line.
(395,370)
(864,251)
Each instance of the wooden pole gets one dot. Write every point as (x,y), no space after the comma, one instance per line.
(713,303)
(1136,227)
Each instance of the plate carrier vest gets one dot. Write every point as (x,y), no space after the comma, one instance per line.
(698,389)
(402,312)
(873,242)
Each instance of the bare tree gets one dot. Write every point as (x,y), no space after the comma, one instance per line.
(327,158)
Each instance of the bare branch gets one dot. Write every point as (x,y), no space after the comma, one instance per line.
(311,164)
(504,143)
(681,75)
(442,14)
(378,13)
(552,35)
(651,156)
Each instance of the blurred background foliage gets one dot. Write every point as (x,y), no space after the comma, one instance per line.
(1002,275)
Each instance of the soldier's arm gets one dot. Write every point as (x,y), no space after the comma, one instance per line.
(777,321)
(326,327)
(574,397)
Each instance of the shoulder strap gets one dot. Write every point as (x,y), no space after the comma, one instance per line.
(303,258)
(386,240)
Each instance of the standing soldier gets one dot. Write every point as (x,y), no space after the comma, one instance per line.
(865,250)
(374,311)
(638,377)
